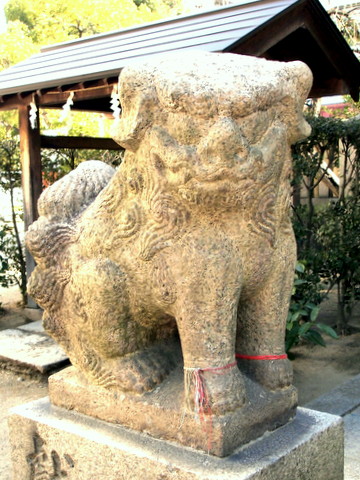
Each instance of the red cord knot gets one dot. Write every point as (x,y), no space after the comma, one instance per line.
(194,376)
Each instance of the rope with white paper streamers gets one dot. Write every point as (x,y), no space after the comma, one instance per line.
(67,107)
(115,102)
(33,113)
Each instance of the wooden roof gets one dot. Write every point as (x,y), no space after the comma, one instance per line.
(275,29)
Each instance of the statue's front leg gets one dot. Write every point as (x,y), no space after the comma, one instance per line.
(206,318)
(262,322)
(108,344)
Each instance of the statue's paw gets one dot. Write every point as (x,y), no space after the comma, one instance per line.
(143,371)
(271,374)
(224,390)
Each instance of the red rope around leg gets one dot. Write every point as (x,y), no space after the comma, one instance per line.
(262,357)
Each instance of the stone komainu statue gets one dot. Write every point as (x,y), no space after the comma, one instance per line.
(190,237)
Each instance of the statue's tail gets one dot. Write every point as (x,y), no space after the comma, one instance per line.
(59,206)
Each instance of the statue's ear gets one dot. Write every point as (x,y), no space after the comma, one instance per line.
(298,80)
(301,79)
(138,100)
(136,116)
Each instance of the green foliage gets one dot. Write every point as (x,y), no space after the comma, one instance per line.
(346,20)
(302,324)
(57,163)
(30,25)
(17,34)
(75,123)
(53,21)
(6,246)
(10,169)
(10,257)
(339,240)
(13,268)
(309,154)
(328,237)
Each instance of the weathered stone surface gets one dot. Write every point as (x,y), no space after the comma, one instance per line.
(190,237)
(352,444)
(30,350)
(33,327)
(340,400)
(64,444)
(161,414)
(34,314)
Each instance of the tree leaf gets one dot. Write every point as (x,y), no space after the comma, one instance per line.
(314,313)
(328,330)
(300,267)
(315,337)
(304,328)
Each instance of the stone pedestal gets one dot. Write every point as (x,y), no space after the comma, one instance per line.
(161,413)
(29,349)
(51,442)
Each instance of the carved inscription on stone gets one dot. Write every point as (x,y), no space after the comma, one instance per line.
(47,464)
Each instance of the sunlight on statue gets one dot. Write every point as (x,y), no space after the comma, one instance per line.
(189,240)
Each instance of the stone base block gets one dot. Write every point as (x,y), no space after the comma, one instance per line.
(51,442)
(161,413)
(28,349)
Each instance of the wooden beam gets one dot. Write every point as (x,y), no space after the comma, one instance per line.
(88,143)
(12,105)
(50,98)
(31,177)
(56,97)
(256,44)
(30,164)
(339,55)
(74,86)
(337,86)
(15,101)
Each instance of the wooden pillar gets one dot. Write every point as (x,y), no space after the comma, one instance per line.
(31,175)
